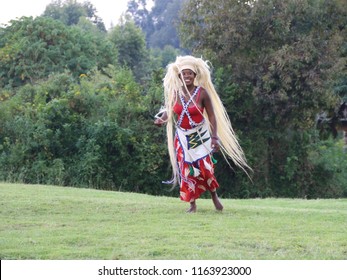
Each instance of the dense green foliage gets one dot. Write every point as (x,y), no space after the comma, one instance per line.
(77,103)
(275,64)
(70,12)
(32,49)
(94,133)
(131,45)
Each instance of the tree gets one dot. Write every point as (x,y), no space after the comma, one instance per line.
(160,24)
(139,13)
(31,49)
(70,12)
(131,45)
(280,48)
(275,63)
(93,132)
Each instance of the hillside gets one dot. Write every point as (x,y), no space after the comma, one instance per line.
(48,222)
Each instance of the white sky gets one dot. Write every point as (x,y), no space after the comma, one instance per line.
(109,10)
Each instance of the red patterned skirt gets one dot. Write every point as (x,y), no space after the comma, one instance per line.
(195,178)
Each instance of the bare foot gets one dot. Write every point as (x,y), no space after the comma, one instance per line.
(192,208)
(216,201)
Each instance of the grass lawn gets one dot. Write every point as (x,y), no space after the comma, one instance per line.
(48,222)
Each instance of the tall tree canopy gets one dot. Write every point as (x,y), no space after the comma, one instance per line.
(160,24)
(31,49)
(275,64)
(285,50)
(131,45)
(70,12)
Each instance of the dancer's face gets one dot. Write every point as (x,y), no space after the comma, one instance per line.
(188,76)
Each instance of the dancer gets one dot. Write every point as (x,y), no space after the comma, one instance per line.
(202,127)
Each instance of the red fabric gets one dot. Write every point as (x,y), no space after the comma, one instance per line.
(205,181)
(194,111)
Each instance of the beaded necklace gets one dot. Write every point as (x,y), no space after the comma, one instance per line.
(185,110)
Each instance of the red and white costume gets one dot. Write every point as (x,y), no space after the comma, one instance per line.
(193,149)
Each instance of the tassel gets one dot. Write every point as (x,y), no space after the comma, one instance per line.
(195,172)
(214,161)
(187,171)
(207,165)
(191,170)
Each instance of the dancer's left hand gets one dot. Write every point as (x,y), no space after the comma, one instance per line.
(215,145)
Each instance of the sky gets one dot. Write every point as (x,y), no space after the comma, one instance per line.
(109,10)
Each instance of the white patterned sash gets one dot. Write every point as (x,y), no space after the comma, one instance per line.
(195,142)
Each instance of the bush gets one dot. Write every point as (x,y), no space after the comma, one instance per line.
(95,132)
(330,160)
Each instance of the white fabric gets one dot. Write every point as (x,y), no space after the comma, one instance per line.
(187,66)
(199,145)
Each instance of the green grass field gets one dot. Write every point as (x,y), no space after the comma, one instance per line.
(53,223)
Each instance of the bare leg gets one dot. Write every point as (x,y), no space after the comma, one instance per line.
(192,208)
(216,201)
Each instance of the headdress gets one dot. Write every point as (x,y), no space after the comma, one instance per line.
(173,84)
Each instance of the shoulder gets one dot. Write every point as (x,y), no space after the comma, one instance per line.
(203,92)
(204,95)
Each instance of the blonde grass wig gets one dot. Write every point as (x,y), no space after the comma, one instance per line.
(229,145)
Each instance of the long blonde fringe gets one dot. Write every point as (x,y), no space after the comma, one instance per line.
(229,144)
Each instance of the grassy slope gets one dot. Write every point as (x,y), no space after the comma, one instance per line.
(45,222)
